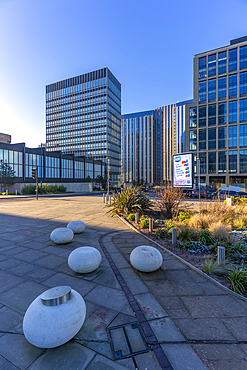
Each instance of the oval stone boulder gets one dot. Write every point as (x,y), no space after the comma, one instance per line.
(84,260)
(62,235)
(76,226)
(51,326)
(146,259)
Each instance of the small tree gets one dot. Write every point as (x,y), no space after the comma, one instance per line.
(168,200)
(8,175)
(101,180)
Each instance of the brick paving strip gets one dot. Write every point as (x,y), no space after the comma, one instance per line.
(150,336)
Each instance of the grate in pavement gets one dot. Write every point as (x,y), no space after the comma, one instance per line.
(127,341)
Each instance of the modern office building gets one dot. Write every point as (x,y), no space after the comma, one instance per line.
(217,119)
(53,167)
(83,117)
(149,140)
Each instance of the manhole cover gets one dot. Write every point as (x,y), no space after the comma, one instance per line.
(127,341)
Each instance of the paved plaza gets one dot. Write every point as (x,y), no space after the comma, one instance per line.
(173,318)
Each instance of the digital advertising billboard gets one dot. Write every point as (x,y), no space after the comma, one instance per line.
(183,175)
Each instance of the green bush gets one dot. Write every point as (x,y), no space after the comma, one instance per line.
(238,280)
(28,189)
(131,217)
(205,237)
(184,216)
(144,223)
(46,189)
(185,233)
(161,233)
(130,200)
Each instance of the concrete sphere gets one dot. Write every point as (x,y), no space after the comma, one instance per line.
(76,226)
(52,326)
(62,235)
(146,258)
(84,260)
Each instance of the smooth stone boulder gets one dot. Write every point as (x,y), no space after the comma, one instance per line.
(84,260)
(49,326)
(62,235)
(146,259)
(76,226)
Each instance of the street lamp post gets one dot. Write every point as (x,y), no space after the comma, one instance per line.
(108,179)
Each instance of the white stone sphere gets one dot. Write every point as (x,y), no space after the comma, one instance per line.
(52,326)
(76,226)
(84,260)
(146,259)
(62,235)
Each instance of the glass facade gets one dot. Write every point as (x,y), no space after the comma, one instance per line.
(193,140)
(212,65)
(233,156)
(243,57)
(202,91)
(193,117)
(233,87)
(222,62)
(202,139)
(83,117)
(233,61)
(202,67)
(202,116)
(243,110)
(233,111)
(233,136)
(203,162)
(221,87)
(211,138)
(212,115)
(212,89)
(221,162)
(212,162)
(221,137)
(221,113)
(242,135)
(243,160)
(243,83)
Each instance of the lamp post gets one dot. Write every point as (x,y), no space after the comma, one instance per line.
(1,174)
(199,173)
(108,178)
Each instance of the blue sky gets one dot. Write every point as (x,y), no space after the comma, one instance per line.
(147,44)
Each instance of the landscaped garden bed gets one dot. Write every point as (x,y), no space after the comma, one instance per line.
(199,231)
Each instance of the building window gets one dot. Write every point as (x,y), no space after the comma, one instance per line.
(212,65)
(212,115)
(243,110)
(243,83)
(211,89)
(212,138)
(193,117)
(242,135)
(221,113)
(222,62)
(233,60)
(222,87)
(232,85)
(193,140)
(233,137)
(243,57)
(233,111)
(221,162)
(212,162)
(202,139)
(202,91)
(233,160)
(202,116)
(202,67)
(203,162)
(221,137)
(243,160)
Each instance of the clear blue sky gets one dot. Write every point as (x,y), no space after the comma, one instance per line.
(147,44)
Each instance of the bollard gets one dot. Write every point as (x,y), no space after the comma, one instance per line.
(16,192)
(107,197)
(7,192)
(110,199)
(136,218)
(174,235)
(150,225)
(221,255)
(103,197)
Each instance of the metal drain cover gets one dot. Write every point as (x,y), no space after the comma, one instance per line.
(127,341)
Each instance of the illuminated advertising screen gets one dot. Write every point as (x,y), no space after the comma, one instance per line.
(183,170)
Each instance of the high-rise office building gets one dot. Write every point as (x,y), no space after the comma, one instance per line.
(149,140)
(217,119)
(83,117)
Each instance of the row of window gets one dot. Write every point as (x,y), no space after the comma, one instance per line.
(208,114)
(209,159)
(207,138)
(208,65)
(222,87)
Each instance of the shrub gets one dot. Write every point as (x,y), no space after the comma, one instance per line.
(185,233)
(131,217)
(195,247)
(205,237)
(200,221)
(238,280)
(220,231)
(184,216)
(168,200)
(130,200)
(168,225)
(211,267)
(161,233)
(240,222)
(144,223)
(28,189)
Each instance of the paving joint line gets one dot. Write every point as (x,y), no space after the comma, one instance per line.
(147,330)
